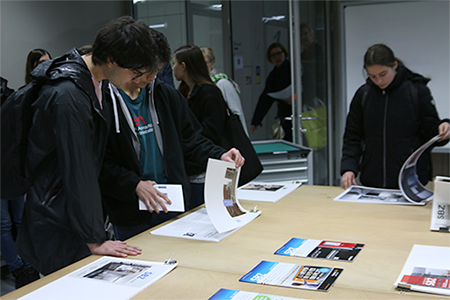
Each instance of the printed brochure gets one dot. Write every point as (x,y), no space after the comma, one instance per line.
(225,294)
(292,275)
(320,249)
(105,278)
(427,270)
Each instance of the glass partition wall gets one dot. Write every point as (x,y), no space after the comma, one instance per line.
(239,33)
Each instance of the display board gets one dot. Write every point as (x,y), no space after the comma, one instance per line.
(418,33)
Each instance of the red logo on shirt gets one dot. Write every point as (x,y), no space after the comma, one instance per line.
(138,120)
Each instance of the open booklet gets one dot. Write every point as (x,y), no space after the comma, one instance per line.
(427,270)
(412,191)
(106,278)
(223,214)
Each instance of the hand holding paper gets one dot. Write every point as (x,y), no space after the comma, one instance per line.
(444,131)
(233,155)
(151,197)
(174,192)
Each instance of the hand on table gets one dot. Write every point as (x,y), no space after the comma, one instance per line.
(348,179)
(114,248)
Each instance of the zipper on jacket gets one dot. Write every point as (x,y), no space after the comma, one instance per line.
(384,137)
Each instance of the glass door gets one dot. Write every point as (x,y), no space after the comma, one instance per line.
(309,77)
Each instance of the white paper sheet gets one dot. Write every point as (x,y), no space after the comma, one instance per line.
(264,191)
(427,270)
(174,192)
(283,94)
(224,209)
(363,194)
(195,226)
(106,278)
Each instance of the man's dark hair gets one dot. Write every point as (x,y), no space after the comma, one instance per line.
(164,52)
(126,42)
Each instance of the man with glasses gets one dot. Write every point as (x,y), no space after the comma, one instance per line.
(63,219)
(154,132)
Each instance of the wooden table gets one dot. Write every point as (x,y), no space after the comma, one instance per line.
(388,232)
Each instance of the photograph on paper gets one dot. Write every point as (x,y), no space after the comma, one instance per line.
(266,191)
(364,194)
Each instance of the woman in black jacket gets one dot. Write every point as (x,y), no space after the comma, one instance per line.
(205,100)
(278,79)
(390,117)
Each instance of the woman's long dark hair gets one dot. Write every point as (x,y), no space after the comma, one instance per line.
(196,67)
(33,61)
(380,54)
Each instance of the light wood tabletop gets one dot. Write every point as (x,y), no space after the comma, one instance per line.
(388,232)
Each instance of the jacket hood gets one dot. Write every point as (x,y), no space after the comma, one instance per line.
(69,65)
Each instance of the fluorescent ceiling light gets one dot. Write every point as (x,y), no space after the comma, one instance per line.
(217,7)
(273,18)
(155,26)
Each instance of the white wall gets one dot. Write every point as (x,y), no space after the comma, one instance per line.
(56,26)
(417,32)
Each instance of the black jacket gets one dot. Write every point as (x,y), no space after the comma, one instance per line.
(63,209)
(279,79)
(387,128)
(210,109)
(181,140)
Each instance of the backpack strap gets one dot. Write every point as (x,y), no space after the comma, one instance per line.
(366,90)
(415,97)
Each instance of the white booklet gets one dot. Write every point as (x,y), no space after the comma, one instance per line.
(223,213)
(221,201)
(106,278)
(427,270)
(174,192)
(194,226)
(265,191)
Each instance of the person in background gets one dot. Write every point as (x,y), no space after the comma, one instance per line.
(230,89)
(34,59)
(385,125)
(63,219)
(12,209)
(140,155)
(313,58)
(5,90)
(165,74)
(205,100)
(278,79)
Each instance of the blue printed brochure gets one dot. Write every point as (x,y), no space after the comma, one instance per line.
(292,275)
(320,249)
(226,294)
